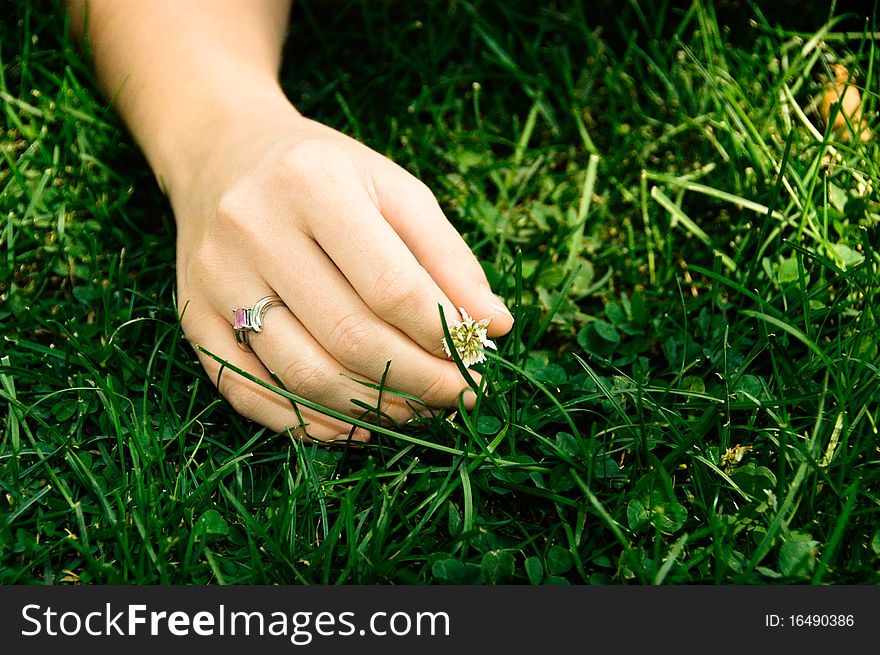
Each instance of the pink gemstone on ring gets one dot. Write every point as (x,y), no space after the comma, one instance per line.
(241,319)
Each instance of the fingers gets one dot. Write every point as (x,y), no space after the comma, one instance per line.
(371,256)
(287,349)
(214,334)
(344,335)
(413,212)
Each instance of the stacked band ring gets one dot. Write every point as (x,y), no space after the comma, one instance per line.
(250,319)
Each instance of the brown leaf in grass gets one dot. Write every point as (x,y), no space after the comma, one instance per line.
(848,118)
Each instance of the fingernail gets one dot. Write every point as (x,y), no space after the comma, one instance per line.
(469,399)
(494,301)
(359,437)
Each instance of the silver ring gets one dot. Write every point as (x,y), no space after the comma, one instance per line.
(250,319)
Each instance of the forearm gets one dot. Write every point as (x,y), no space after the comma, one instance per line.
(181,73)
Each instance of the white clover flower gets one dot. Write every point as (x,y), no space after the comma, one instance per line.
(469,338)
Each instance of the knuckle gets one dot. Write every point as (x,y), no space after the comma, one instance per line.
(233,208)
(237,221)
(463,257)
(243,397)
(310,159)
(307,379)
(397,292)
(438,390)
(423,194)
(459,257)
(297,162)
(351,339)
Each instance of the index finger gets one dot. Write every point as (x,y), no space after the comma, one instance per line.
(378,264)
(414,214)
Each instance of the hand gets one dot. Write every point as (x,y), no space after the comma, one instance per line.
(360,253)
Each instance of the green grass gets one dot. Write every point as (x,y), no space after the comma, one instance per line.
(689,393)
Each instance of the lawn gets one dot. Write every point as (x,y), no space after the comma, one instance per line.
(690,390)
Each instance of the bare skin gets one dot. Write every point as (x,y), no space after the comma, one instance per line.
(268,201)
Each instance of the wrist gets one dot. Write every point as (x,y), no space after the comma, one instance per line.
(203,134)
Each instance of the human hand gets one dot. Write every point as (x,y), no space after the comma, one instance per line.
(359,251)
